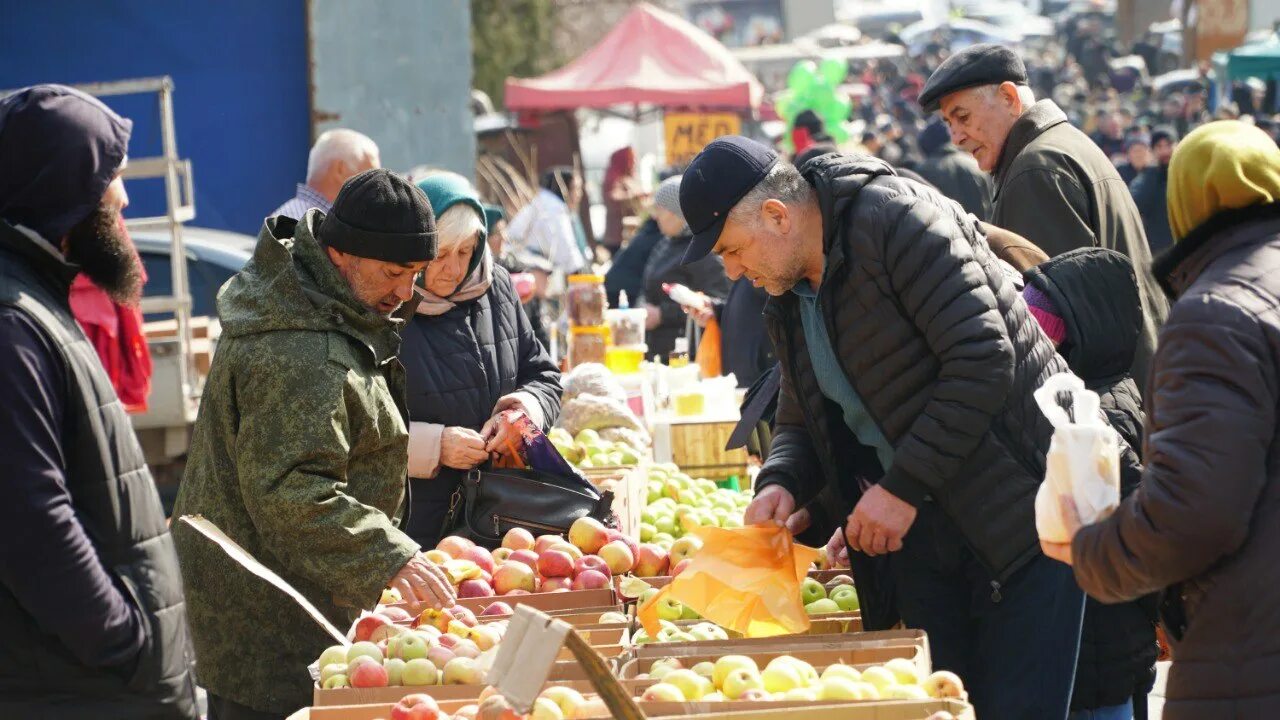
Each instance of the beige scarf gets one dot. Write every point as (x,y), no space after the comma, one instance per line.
(475,285)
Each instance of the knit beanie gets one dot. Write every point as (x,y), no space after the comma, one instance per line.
(1045,313)
(933,137)
(667,196)
(381,216)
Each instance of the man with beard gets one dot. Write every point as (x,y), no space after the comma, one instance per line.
(91,606)
(300,452)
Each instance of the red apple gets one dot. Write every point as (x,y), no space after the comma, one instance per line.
(553,584)
(518,539)
(554,563)
(367,624)
(367,674)
(439,655)
(545,542)
(500,555)
(416,707)
(480,556)
(652,561)
(590,580)
(631,543)
(513,576)
(588,534)
(474,588)
(394,614)
(497,608)
(618,556)
(464,615)
(528,557)
(592,562)
(455,546)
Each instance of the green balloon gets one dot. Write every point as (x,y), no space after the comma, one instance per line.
(786,106)
(834,71)
(837,132)
(802,76)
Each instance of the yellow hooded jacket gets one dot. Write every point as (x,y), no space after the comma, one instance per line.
(1220,166)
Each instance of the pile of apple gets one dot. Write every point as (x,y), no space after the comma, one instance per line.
(587,449)
(441,649)
(588,560)
(553,703)
(738,677)
(677,503)
(838,595)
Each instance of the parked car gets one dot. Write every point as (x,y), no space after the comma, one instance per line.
(213,256)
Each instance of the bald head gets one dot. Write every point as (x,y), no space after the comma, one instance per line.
(338,156)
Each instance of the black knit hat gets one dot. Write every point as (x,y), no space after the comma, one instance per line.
(381,216)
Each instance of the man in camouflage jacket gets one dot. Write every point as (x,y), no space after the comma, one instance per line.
(300,450)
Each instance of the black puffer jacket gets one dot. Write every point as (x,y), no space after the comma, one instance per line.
(458,365)
(1096,294)
(942,350)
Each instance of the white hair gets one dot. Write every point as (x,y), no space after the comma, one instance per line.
(339,145)
(457,225)
(1026,96)
(783,183)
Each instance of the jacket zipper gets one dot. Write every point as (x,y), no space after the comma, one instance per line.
(498,519)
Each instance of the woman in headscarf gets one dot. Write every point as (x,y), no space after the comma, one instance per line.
(621,190)
(469,354)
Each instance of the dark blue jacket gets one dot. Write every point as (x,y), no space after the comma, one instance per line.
(627,271)
(458,365)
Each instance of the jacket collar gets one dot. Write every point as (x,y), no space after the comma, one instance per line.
(1043,115)
(1179,266)
(838,179)
(47,261)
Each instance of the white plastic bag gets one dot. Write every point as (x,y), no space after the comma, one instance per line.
(1083,461)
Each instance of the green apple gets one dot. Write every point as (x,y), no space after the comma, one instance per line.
(587,437)
(333,655)
(904,692)
(879,676)
(716,696)
(687,681)
(646,595)
(420,671)
(846,597)
(670,609)
(838,688)
(330,670)
(904,671)
(847,672)
(689,614)
(740,681)
(664,525)
(336,681)
(728,664)
(944,684)
(811,591)
(801,694)
(366,649)
(781,678)
(640,637)
(825,606)
(706,669)
(647,531)
(663,692)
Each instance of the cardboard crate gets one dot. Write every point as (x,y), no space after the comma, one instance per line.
(874,710)
(629,492)
(567,673)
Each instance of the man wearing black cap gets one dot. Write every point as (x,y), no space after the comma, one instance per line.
(908,365)
(300,451)
(1053,185)
(91,606)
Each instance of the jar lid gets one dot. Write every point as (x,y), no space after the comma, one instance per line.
(586,278)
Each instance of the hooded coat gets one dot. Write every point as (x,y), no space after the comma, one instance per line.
(299,455)
(935,339)
(463,355)
(1203,526)
(1096,294)
(1054,187)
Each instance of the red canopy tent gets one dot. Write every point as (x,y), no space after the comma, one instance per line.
(651,57)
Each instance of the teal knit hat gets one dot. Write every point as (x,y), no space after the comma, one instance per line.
(446,189)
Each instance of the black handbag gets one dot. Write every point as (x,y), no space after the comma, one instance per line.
(489,503)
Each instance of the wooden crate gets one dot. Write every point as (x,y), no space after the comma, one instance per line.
(697,447)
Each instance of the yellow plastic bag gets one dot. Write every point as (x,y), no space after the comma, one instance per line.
(744,579)
(709,350)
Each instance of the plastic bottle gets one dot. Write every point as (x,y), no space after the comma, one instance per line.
(682,294)
(679,356)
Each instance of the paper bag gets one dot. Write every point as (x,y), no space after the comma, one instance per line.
(1083,461)
(744,579)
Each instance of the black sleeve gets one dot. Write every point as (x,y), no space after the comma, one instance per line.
(46,558)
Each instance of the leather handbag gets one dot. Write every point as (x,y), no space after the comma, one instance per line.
(489,503)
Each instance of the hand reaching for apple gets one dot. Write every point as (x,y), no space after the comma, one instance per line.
(879,522)
(774,504)
(421,581)
(462,448)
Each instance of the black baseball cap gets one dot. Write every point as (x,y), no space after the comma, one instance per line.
(721,175)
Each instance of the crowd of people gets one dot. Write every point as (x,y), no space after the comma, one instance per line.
(907,297)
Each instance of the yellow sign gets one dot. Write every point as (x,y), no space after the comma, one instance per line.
(687,133)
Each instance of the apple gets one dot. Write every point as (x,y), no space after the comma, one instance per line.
(847,672)
(333,655)
(368,674)
(588,534)
(496,707)
(329,671)
(592,562)
(556,584)
(879,676)
(780,678)
(514,576)
(480,556)
(590,580)
(685,547)
(646,595)
(439,557)
(647,531)
(462,671)
(652,561)
(681,566)
(944,684)
(528,557)
(669,608)
(367,624)
(811,591)
(567,699)
(663,692)
(716,696)
(730,663)
(394,614)
(412,645)
(544,709)
(390,596)
(519,591)
(630,542)
(440,655)
(904,692)
(824,606)
(613,617)
(416,707)
(365,649)
(485,637)
(846,597)
(618,557)
(418,672)
(463,615)
(688,682)
(546,542)
(555,563)
(497,608)
(801,694)
(466,648)
(740,681)
(395,669)
(569,548)
(336,681)
(904,671)
(839,688)
(474,589)
(518,539)
(754,695)
(501,555)
(454,546)
(706,669)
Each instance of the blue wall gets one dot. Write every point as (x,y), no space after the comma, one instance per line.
(240,101)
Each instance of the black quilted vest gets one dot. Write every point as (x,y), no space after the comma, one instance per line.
(116,501)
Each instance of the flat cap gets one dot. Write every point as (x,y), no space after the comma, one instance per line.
(984,64)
